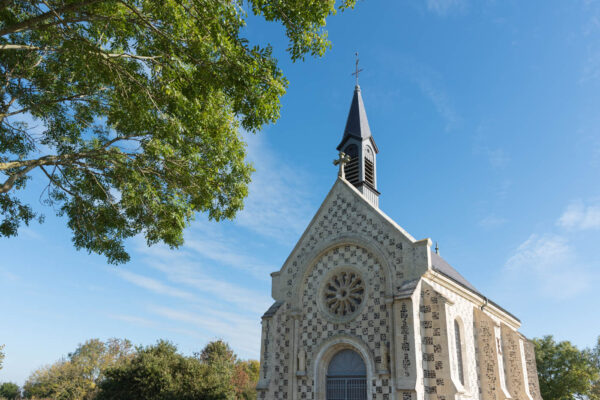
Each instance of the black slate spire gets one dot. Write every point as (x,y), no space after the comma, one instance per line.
(357,125)
(358,144)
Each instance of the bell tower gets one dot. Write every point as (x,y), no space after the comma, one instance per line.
(359,145)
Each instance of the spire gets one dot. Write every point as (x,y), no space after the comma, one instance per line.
(358,144)
(357,125)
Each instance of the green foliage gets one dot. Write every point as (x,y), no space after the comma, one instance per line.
(245,378)
(10,391)
(1,355)
(594,355)
(113,370)
(137,106)
(159,372)
(216,352)
(564,371)
(78,375)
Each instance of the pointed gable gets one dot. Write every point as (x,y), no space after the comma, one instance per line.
(346,217)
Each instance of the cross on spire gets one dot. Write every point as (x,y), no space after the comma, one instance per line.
(344,158)
(356,71)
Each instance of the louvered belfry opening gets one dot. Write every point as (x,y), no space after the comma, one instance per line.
(369,172)
(351,168)
(346,377)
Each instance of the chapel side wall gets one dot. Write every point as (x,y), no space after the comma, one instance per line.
(532,376)
(487,354)
(437,365)
(457,307)
(515,374)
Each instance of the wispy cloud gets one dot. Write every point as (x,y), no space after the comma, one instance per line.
(549,262)
(589,29)
(492,221)
(239,331)
(226,252)
(438,97)
(579,216)
(496,156)
(154,285)
(445,7)
(279,202)
(134,320)
(191,275)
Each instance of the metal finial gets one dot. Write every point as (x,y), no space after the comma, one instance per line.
(356,70)
(437,249)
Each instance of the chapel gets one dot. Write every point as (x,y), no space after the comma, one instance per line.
(365,311)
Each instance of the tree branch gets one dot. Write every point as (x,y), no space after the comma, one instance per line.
(32,22)
(51,178)
(68,98)
(10,182)
(19,47)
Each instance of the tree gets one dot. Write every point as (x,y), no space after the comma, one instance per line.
(564,371)
(1,355)
(129,110)
(217,351)
(78,375)
(159,372)
(10,391)
(594,355)
(245,378)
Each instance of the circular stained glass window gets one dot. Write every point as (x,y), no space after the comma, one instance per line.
(343,293)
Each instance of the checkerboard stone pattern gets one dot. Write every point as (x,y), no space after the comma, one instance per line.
(371,324)
(345,215)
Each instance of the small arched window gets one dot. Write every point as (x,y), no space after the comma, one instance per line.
(459,355)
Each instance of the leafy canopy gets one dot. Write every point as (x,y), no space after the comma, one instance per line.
(159,372)
(10,391)
(113,369)
(130,110)
(564,371)
(79,374)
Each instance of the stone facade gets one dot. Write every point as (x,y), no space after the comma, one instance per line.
(356,280)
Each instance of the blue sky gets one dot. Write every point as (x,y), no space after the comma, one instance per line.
(486,117)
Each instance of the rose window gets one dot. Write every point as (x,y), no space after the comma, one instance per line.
(344,293)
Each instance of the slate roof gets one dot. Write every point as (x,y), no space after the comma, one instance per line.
(440,265)
(357,124)
(273,309)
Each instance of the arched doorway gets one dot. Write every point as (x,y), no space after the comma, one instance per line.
(347,377)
